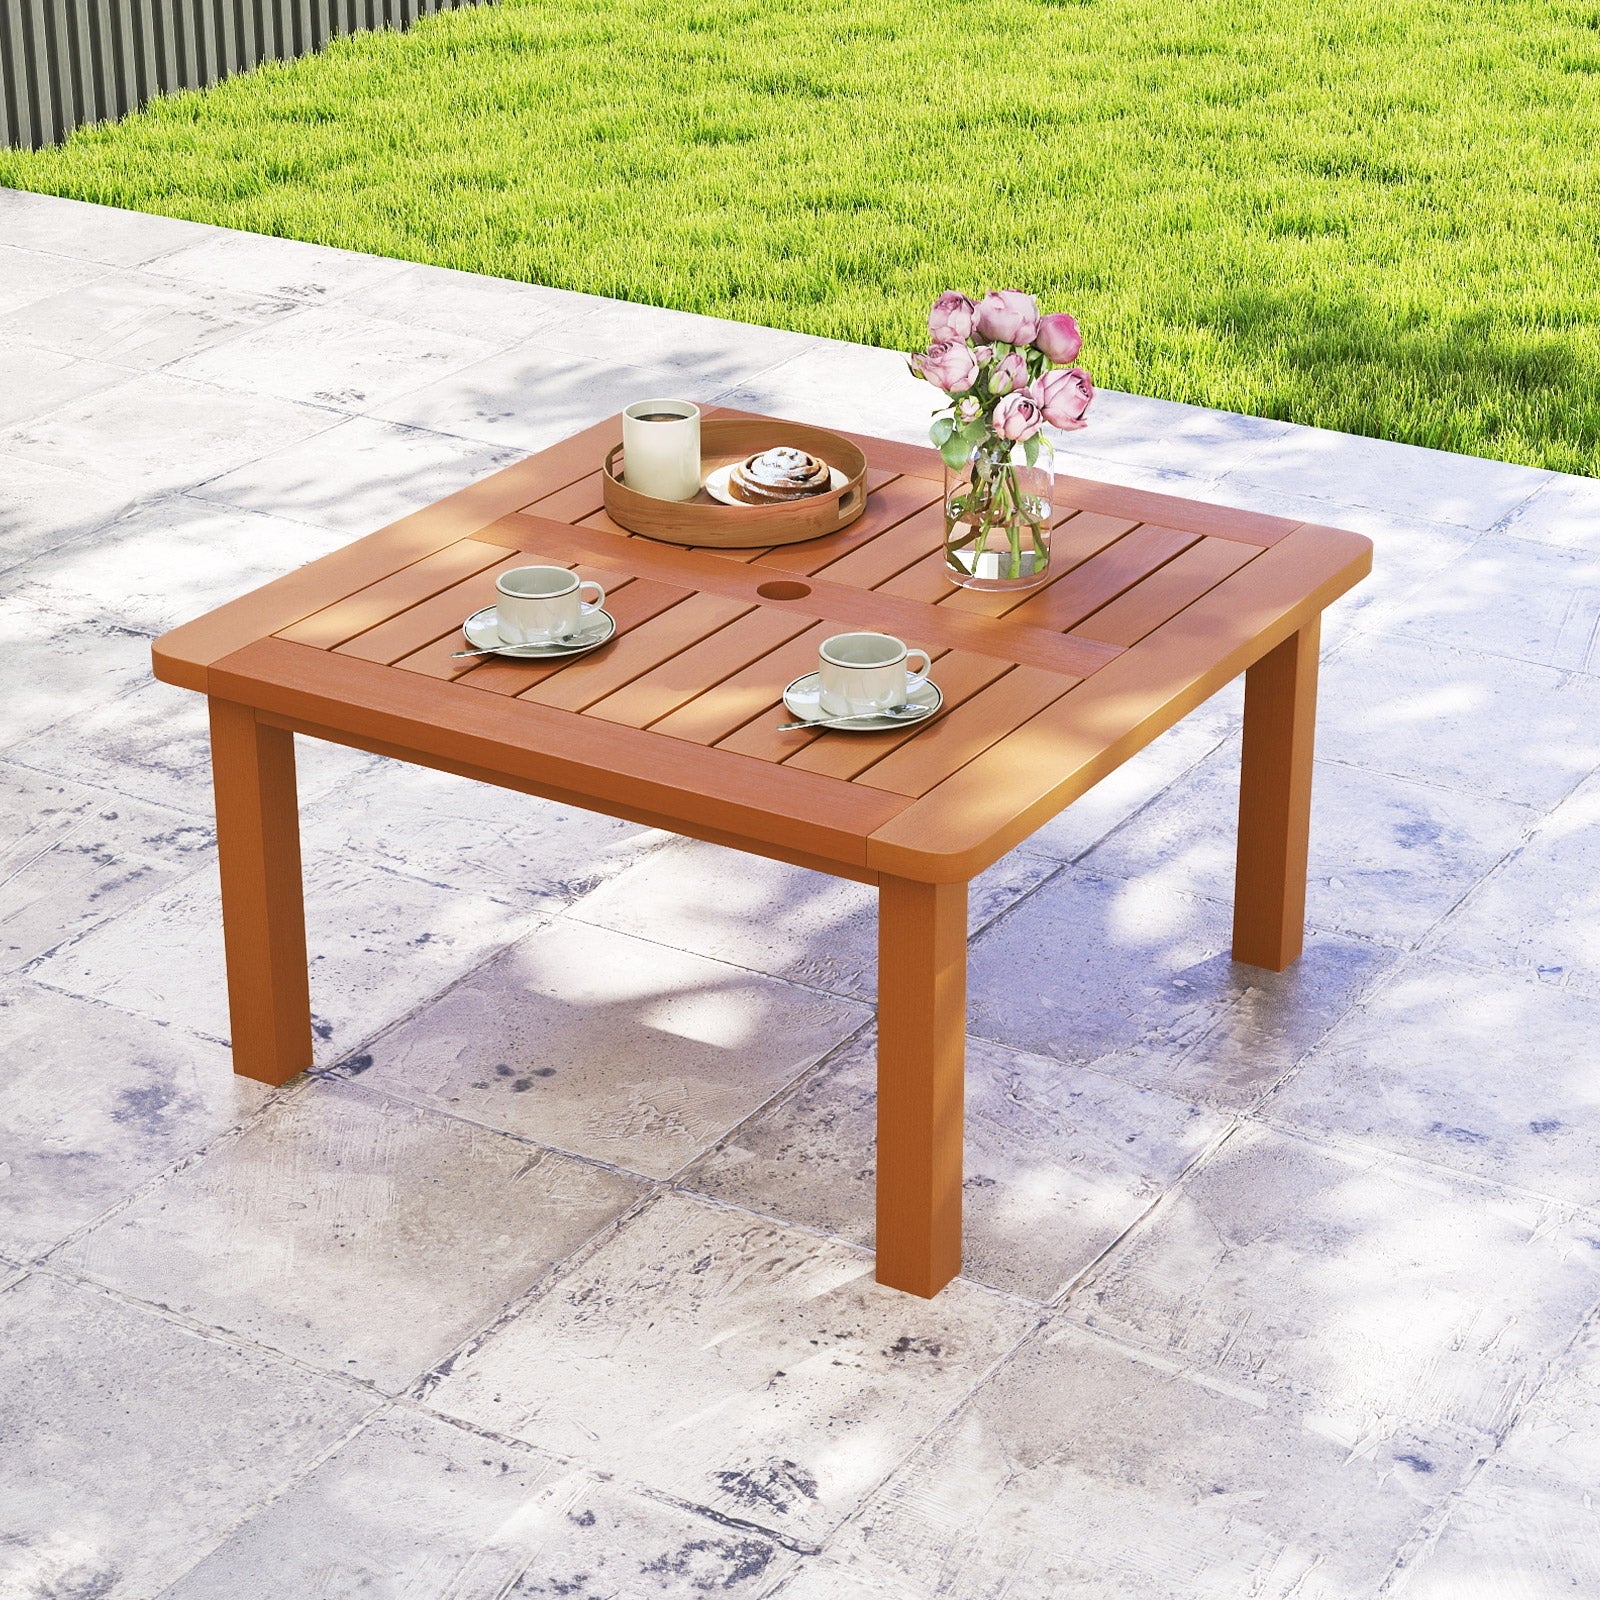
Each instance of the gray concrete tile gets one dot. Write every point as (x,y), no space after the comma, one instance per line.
(838,385)
(1406,479)
(169,561)
(1060,1162)
(1139,780)
(60,668)
(818,1380)
(1136,980)
(135,1446)
(92,233)
(150,741)
(1085,1471)
(1491,1073)
(1164,437)
(1565,514)
(250,263)
(441,298)
(36,381)
(1459,719)
(44,506)
(352,1232)
(27,276)
(1510,597)
(335,356)
(379,945)
(417,1509)
(1541,911)
(71,856)
(1389,857)
(93,1104)
(1405,550)
(1513,1536)
(138,320)
(765,915)
(608,1046)
(1375,1294)
(1528,1524)
(654,336)
(156,433)
(462,835)
(358,476)
(530,397)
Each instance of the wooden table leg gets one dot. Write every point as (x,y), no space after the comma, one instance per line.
(922,1036)
(1280,713)
(263,901)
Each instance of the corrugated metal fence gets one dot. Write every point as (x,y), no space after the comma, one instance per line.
(67,62)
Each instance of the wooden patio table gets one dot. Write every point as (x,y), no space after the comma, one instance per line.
(1154,603)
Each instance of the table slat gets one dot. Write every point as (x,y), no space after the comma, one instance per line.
(718,711)
(590,678)
(1161,596)
(895,549)
(675,682)
(954,740)
(389,596)
(892,504)
(1101,578)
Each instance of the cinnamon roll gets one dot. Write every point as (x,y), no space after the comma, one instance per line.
(774,476)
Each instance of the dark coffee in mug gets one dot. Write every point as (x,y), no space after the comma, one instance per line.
(659,416)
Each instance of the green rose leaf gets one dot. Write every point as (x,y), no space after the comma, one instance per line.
(941,430)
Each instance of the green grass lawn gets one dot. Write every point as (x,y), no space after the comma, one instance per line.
(1375,215)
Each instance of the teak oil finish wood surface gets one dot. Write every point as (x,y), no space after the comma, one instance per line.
(1153,604)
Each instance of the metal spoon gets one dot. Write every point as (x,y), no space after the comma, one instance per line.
(574,642)
(906,713)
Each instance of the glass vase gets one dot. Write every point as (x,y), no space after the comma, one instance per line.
(997,512)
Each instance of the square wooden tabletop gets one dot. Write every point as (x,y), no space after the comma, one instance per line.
(1153,604)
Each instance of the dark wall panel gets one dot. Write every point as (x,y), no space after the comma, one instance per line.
(67,62)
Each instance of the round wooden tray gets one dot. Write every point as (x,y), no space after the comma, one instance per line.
(704,521)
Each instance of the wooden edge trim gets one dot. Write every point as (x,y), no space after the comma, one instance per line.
(683,785)
(1187,516)
(183,654)
(915,620)
(969,821)
(566,797)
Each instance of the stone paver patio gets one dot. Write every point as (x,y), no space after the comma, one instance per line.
(550,1279)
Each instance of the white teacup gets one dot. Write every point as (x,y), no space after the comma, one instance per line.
(866,672)
(543,605)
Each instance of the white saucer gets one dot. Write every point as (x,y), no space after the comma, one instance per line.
(482,629)
(803,697)
(716,485)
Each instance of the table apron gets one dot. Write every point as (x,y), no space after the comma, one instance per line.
(568,797)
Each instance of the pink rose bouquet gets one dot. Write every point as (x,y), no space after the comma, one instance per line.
(1008,372)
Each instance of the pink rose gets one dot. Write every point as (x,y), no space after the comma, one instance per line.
(1063,397)
(1008,315)
(1058,337)
(984,353)
(952,317)
(1012,373)
(950,365)
(1017,417)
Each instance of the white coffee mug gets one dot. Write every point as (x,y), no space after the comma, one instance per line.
(661,448)
(866,672)
(542,605)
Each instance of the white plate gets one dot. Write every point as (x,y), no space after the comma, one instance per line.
(482,629)
(804,698)
(716,486)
